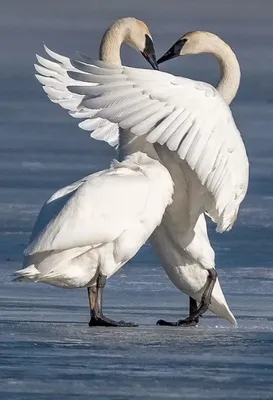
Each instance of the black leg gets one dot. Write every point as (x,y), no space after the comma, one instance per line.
(196,312)
(192,320)
(206,297)
(183,322)
(92,297)
(193,306)
(97,317)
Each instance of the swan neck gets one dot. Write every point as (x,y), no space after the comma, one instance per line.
(112,41)
(230,72)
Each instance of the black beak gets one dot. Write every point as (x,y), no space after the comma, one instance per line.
(173,51)
(149,52)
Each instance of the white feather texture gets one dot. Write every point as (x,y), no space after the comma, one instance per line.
(53,75)
(194,134)
(98,223)
(189,117)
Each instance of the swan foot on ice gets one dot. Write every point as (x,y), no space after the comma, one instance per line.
(104,321)
(95,303)
(187,322)
(196,311)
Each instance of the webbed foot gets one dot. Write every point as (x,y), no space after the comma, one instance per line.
(104,321)
(187,322)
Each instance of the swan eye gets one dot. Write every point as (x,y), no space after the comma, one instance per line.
(183,41)
(149,52)
(179,44)
(174,51)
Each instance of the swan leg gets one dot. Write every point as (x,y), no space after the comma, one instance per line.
(92,297)
(205,301)
(193,307)
(183,322)
(196,312)
(97,317)
(192,320)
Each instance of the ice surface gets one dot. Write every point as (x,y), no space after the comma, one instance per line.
(47,350)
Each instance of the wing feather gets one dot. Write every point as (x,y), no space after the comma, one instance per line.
(190,117)
(161,133)
(54,76)
(146,125)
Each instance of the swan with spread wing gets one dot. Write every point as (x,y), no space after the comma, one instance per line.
(189,127)
(86,231)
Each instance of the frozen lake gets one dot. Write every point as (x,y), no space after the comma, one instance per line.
(47,350)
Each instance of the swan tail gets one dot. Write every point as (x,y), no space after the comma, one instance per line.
(222,310)
(29,273)
(219,305)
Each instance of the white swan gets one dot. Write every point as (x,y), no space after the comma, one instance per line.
(182,264)
(66,271)
(202,149)
(88,230)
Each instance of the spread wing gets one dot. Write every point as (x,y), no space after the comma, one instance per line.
(187,116)
(52,74)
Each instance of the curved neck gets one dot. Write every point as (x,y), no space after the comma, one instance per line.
(230,71)
(112,41)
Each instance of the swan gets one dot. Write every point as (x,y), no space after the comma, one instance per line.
(190,128)
(88,230)
(181,266)
(136,34)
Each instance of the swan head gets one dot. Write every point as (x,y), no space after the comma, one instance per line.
(140,39)
(196,42)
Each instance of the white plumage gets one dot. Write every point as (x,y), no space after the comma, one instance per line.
(189,127)
(189,117)
(98,223)
(54,78)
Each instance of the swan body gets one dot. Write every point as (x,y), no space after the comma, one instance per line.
(64,256)
(189,127)
(97,224)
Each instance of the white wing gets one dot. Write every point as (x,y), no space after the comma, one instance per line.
(54,205)
(189,117)
(91,212)
(53,76)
